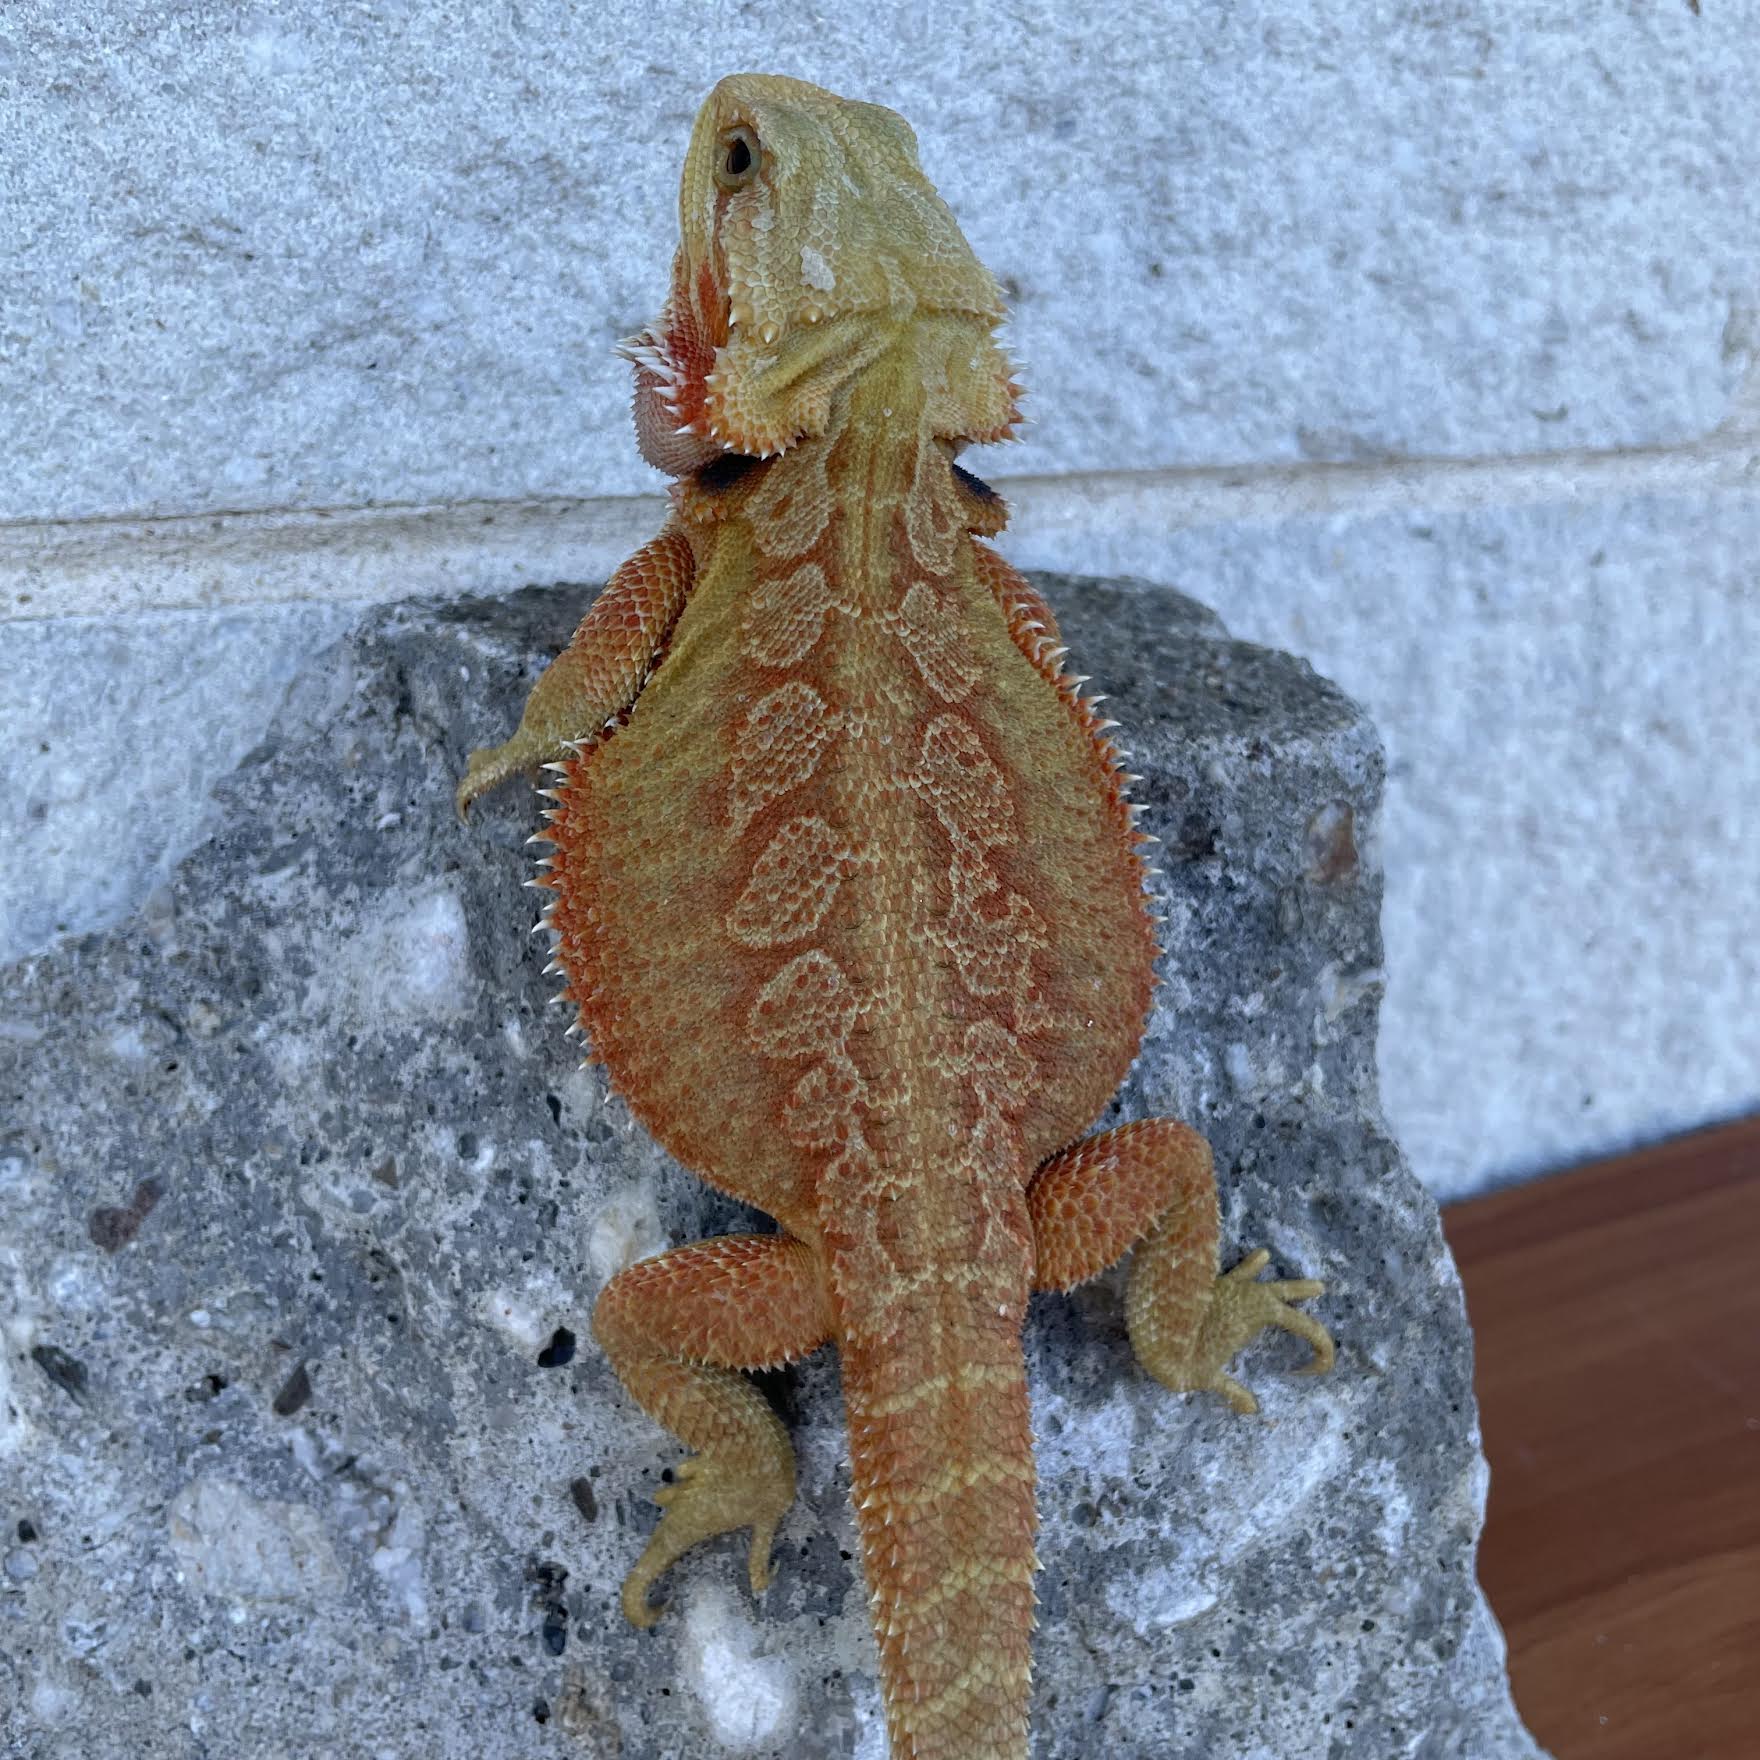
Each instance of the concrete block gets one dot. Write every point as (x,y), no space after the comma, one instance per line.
(305,1201)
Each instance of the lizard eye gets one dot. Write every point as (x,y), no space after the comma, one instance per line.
(736,162)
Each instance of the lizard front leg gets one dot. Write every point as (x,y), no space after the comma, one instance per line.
(601,671)
(677,1330)
(1153,1183)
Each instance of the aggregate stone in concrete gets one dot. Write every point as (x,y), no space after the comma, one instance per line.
(315,256)
(304,1443)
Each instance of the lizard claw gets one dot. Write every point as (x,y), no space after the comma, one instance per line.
(486,768)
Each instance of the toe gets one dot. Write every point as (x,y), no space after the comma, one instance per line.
(760,1566)
(637,1608)
(1236,1393)
(1305,1326)
(1298,1289)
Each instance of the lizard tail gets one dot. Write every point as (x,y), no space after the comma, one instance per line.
(942,1476)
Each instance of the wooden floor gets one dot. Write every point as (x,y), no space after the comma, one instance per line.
(1617,1311)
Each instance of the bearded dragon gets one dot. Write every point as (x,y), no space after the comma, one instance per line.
(849,897)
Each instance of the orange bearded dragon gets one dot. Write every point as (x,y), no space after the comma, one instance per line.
(849,898)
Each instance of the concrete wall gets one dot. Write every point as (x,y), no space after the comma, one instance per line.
(1418,338)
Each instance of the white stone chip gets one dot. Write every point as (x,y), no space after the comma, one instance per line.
(230,1543)
(746,1697)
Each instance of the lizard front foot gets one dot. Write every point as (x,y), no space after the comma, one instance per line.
(488,767)
(1191,1358)
(711,1494)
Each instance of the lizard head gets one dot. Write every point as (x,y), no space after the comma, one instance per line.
(811,248)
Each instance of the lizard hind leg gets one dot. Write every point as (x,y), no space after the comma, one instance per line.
(678,1329)
(1152,1185)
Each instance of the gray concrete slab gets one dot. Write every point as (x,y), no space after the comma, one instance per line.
(304,1443)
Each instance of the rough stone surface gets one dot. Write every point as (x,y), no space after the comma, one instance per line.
(112,736)
(304,1444)
(318,255)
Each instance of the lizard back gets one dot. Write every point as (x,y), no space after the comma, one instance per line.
(857,876)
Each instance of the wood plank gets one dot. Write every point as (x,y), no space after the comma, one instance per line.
(1617,1317)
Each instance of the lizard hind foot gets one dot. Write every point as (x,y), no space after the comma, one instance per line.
(709,1495)
(1193,1358)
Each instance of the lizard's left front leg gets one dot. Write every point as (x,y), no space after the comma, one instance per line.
(1153,1183)
(678,1329)
(601,671)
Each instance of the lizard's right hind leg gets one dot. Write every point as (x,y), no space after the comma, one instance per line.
(1151,1185)
(677,1330)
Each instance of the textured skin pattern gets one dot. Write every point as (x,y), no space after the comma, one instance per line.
(848,897)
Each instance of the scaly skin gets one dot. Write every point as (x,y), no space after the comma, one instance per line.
(849,899)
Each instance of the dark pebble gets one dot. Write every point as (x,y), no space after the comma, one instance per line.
(68,1373)
(559,1351)
(295,1391)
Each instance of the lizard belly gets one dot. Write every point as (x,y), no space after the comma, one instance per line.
(864,891)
